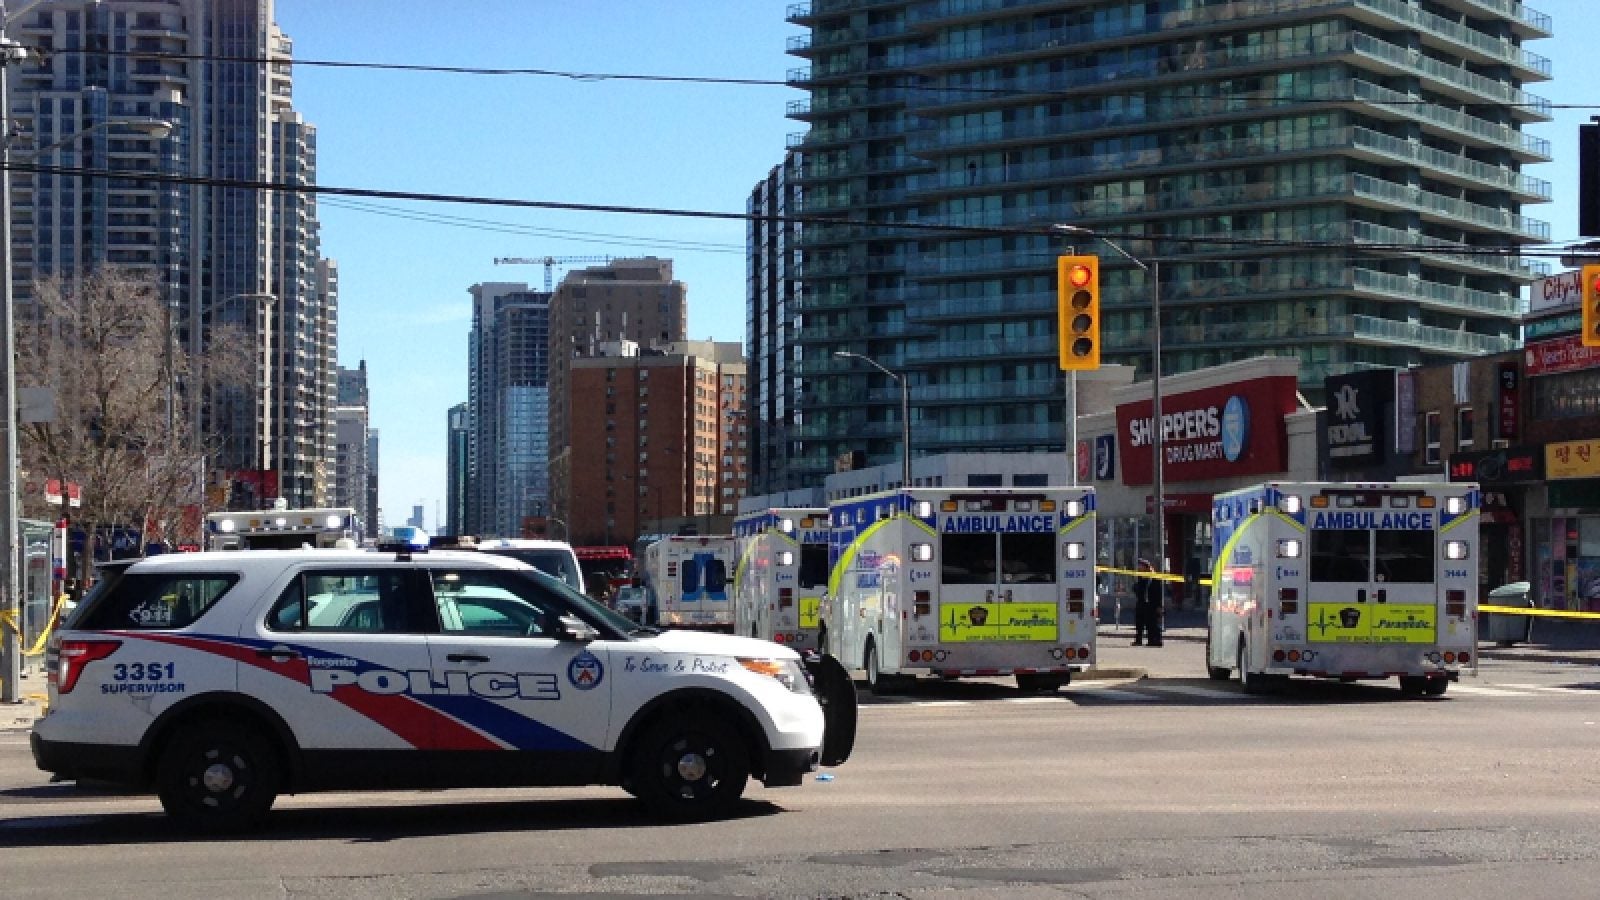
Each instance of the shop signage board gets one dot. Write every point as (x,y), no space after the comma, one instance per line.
(1552,357)
(1555,326)
(1507,465)
(1354,430)
(1572,459)
(1105,457)
(1216,432)
(1509,386)
(1554,292)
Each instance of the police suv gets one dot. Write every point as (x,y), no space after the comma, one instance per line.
(223,679)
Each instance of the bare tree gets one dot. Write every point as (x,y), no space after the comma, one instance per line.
(122,428)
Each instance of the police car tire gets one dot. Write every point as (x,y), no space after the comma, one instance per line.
(249,763)
(678,745)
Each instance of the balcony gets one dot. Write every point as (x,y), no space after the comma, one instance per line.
(993,436)
(1445,298)
(986,308)
(1463,84)
(1427,338)
(1038,389)
(1491,262)
(984,349)
(1440,207)
(1395,105)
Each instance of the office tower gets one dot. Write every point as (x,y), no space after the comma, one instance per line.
(458,444)
(1313,171)
(508,408)
(772,328)
(232,253)
(352,420)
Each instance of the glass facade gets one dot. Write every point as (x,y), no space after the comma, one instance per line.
(508,411)
(1254,146)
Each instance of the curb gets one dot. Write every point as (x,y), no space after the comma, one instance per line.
(1547,656)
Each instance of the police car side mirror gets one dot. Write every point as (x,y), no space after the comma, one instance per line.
(575,629)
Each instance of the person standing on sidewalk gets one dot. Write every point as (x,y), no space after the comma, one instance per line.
(1147,606)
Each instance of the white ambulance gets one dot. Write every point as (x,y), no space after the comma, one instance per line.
(1347,581)
(954,582)
(782,574)
(688,581)
(224,679)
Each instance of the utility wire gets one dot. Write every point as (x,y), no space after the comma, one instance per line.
(931,228)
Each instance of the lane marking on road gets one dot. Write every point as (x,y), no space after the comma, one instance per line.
(1052,699)
(1478,690)
(1550,688)
(1208,693)
(1117,694)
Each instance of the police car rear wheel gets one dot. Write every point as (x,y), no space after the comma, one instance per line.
(218,776)
(692,767)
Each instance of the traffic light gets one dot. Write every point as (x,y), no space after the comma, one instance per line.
(1078,311)
(1590,277)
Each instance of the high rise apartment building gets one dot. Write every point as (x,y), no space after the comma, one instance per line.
(240,255)
(634,300)
(458,445)
(664,441)
(352,422)
(1353,147)
(508,409)
(772,327)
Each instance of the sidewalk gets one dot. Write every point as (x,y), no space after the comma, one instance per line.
(21,715)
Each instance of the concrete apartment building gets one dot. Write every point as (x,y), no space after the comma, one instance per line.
(1311,125)
(662,443)
(244,257)
(634,300)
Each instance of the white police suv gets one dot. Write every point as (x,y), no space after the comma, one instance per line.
(223,679)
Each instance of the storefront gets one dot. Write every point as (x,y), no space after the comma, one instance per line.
(1507,476)
(1223,428)
(1566,540)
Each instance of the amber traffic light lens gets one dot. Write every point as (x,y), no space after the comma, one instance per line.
(1082,346)
(1081,299)
(1079,276)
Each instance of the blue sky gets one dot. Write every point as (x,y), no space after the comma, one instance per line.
(403,300)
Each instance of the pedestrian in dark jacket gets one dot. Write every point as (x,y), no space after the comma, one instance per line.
(1147,606)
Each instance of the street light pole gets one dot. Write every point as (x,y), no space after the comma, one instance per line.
(1158,487)
(905,413)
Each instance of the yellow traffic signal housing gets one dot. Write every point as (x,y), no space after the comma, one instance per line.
(1590,278)
(1078,311)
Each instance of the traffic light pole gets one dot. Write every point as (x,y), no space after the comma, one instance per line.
(1072,428)
(1155,416)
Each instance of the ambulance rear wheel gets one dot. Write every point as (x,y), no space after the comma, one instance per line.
(690,768)
(1436,687)
(1413,685)
(880,683)
(1215,673)
(1252,683)
(1041,683)
(218,776)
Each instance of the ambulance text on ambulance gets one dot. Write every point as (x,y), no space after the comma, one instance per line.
(1393,521)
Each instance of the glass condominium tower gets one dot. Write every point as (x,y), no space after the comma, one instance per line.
(1350,149)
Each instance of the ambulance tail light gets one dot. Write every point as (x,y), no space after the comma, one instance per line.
(1279,656)
(785,598)
(948,506)
(1455,603)
(1289,548)
(923,603)
(1075,604)
(1463,657)
(74,656)
(1289,600)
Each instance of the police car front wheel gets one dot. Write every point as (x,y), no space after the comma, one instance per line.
(692,767)
(218,776)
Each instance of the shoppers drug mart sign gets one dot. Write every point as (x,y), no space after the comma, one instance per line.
(1217,432)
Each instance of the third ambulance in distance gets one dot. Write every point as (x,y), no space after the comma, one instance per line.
(687,582)
(954,582)
(1349,581)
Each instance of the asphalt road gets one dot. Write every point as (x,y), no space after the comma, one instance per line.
(1167,787)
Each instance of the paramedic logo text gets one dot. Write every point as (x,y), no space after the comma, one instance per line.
(586,671)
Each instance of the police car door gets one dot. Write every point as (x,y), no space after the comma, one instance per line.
(502,670)
(342,655)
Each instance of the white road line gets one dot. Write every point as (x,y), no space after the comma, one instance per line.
(1055,699)
(1117,694)
(1551,688)
(1476,690)
(1207,693)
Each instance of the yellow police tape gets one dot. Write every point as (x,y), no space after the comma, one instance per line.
(8,622)
(1159,576)
(1549,613)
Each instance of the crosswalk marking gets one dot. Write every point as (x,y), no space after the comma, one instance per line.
(1207,693)
(1106,693)
(1155,692)
(1485,691)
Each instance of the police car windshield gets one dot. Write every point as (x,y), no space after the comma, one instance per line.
(591,612)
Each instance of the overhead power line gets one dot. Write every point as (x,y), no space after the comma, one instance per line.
(1043,229)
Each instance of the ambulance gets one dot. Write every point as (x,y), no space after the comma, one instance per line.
(963,582)
(782,574)
(687,582)
(1347,581)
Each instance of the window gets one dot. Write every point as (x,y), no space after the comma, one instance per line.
(968,558)
(364,602)
(1430,433)
(153,601)
(495,604)
(1343,555)
(813,565)
(1464,422)
(1405,557)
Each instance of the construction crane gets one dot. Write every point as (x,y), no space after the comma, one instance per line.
(549,263)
